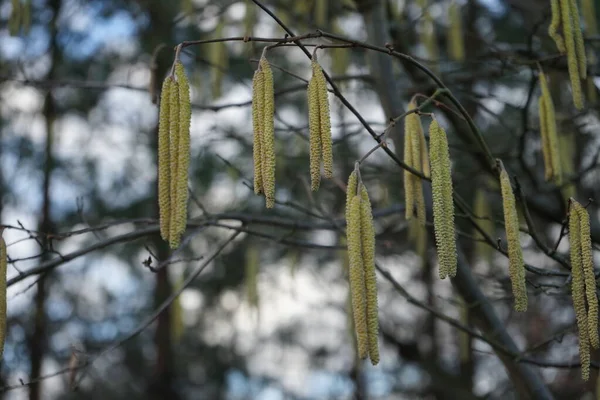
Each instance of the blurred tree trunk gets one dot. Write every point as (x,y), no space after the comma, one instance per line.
(161,384)
(37,339)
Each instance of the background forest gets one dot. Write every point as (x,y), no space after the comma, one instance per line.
(263,306)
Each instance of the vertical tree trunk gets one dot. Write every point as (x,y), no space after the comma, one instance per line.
(37,339)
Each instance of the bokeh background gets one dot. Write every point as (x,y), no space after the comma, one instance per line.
(267,317)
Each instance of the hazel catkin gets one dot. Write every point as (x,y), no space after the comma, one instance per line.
(357,275)
(164,159)
(183,152)
(550,150)
(268,134)
(257,118)
(360,235)
(516,265)
(174,154)
(578,288)
(319,126)
(570,24)
(314,126)
(443,205)
(414,142)
(587,263)
(367,233)
(456,46)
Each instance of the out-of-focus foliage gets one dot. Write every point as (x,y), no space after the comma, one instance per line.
(268,317)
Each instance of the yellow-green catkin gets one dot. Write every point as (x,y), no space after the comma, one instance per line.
(219,60)
(456,45)
(340,57)
(250,18)
(314,127)
(321,11)
(483,213)
(578,289)
(3,311)
(183,152)
(258,87)
(367,233)
(443,205)
(550,150)
(325,121)
(570,24)
(587,263)
(319,126)
(413,156)
(588,10)
(252,267)
(164,159)
(409,187)
(356,273)
(516,268)
(579,44)
(174,172)
(554,25)
(268,134)
(430,40)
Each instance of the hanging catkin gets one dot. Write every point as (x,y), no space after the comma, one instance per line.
(443,205)
(361,254)
(356,273)
(267,147)
(588,10)
(314,127)
(587,262)
(554,25)
(573,47)
(258,88)
(3,268)
(174,155)
(183,152)
(367,233)
(164,159)
(553,170)
(516,265)
(319,126)
(456,45)
(578,291)
(414,156)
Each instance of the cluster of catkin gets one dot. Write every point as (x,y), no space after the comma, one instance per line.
(565,16)
(3,267)
(416,156)
(360,234)
(550,149)
(319,126)
(174,155)
(263,112)
(516,265)
(583,284)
